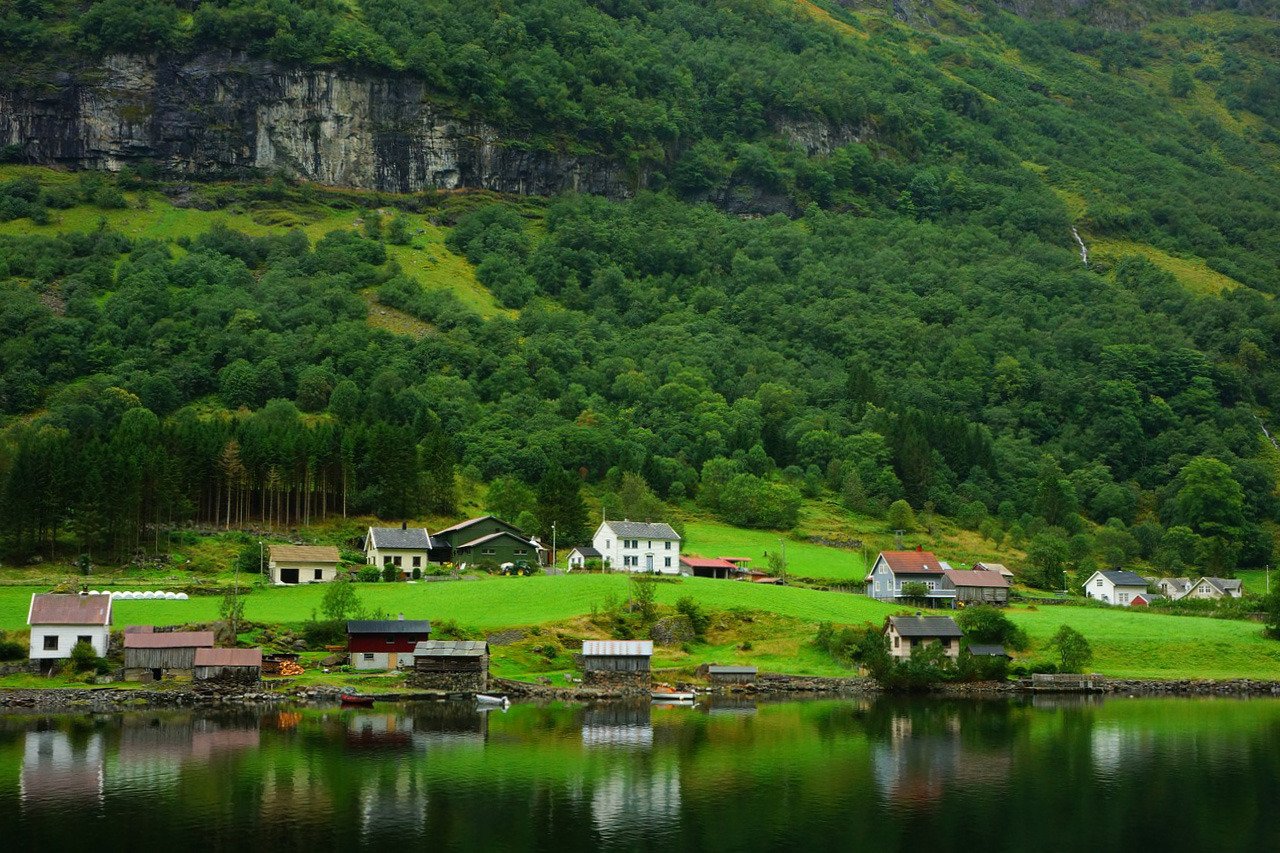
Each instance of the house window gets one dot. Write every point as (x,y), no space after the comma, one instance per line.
(931,584)
(1099,583)
(1204,589)
(368,655)
(50,643)
(520,552)
(417,562)
(84,638)
(897,642)
(667,562)
(607,544)
(650,545)
(1124,597)
(319,575)
(397,560)
(488,552)
(667,544)
(386,561)
(391,638)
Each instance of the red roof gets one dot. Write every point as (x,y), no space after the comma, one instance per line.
(707,563)
(70,610)
(912,562)
(736,559)
(228,657)
(977,578)
(169,640)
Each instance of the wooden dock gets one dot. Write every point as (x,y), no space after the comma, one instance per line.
(1064,683)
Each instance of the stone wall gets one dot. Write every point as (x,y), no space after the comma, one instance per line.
(452,682)
(618,682)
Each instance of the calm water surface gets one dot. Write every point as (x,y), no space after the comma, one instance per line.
(1159,775)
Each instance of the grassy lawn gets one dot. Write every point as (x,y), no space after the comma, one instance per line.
(712,539)
(778,622)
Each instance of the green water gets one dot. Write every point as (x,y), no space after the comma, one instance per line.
(1138,775)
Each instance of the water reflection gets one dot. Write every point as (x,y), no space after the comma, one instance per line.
(627,726)
(61,768)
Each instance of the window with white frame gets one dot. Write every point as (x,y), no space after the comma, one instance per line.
(488,552)
(666,562)
(667,544)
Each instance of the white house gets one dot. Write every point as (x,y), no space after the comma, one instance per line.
(638,546)
(1208,587)
(290,564)
(1116,587)
(580,556)
(59,622)
(406,548)
(1171,588)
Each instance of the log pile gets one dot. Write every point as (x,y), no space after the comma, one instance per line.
(288,667)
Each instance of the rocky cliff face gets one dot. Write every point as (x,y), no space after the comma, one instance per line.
(224,116)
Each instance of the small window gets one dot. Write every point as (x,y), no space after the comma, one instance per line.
(396,560)
(386,561)
(84,638)
(607,544)
(897,642)
(1099,583)
(51,643)
(391,638)
(667,562)
(319,574)
(519,552)
(488,552)
(668,544)
(417,562)
(368,655)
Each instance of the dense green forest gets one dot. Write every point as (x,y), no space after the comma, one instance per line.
(919,327)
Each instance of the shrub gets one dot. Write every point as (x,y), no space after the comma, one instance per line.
(987,624)
(368,574)
(83,657)
(9,650)
(1074,651)
(417,573)
(328,632)
(697,617)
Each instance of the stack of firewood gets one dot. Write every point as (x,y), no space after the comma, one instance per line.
(288,667)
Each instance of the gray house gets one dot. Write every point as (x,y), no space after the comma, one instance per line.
(406,548)
(893,570)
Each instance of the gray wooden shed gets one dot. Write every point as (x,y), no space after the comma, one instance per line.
(616,655)
(157,653)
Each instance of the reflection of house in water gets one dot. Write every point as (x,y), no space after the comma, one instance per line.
(725,706)
(618,726)
(1114,747)
(393,801)
(425,726)
(153,750)
(636,798)
(61,768)
(921,758)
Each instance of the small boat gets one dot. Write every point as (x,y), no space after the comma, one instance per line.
(485,699)
(673,696)
(353,699)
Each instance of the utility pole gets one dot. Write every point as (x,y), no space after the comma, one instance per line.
(262,562)
(553,545)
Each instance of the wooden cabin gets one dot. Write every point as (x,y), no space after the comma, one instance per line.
(457,665)
(242,666)
(150,656)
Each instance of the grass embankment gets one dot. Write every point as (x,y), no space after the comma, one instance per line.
(777,622)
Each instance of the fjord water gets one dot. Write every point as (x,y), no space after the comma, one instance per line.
(1069,775)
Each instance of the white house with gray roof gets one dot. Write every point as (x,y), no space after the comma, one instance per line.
(406,548)
(1116,587)
(1211,587)
(638,546)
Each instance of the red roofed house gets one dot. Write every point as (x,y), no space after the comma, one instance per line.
(977,587)
(59,622)
(893,569)
(708,567)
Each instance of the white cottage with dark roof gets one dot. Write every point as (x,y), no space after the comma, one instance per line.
(638,546)
(406,548)
(1116,587)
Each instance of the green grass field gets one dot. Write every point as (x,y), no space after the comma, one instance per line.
(1126,643)
(712,539)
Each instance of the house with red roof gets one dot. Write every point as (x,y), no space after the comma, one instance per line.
(59,622)
(893,570)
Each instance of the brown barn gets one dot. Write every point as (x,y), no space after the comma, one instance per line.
(237,665)
(977,587)
(458,665)
(151,656)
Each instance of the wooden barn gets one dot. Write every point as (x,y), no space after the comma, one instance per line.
(458,665)
(153,655)
(731,674)
(236,665)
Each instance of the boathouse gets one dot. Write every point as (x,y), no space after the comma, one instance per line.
(385,643)
(455,665)
(617,664)
(151,655)
(717,674)
(243,666)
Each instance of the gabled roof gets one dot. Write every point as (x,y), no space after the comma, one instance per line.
(462,525)
(389,626)
(1224,585)
(708,563)
(586,551)
(403,538)
(982,579)
(228,657)
(642,530)
(169,640)
(483,539)
(617,648)
(451,649)
(60,609)
(926,626)
(994,567)
(305,554)
(913,562)
(1124,578)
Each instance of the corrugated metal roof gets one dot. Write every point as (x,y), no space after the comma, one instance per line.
(228,657)
(305,554)
(732,670)
(408,539)
(451,649)
(926,626)
(389,626)
(169,640)
(57,609)
(642,529)
(617,648)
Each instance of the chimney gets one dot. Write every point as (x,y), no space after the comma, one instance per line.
(919,548)
(404,525)
(401,617)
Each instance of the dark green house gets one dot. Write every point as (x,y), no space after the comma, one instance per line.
(490,540)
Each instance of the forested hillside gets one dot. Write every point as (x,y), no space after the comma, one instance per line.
(914,323)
